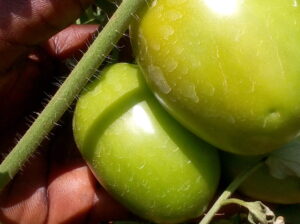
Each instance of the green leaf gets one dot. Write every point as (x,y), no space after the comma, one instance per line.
(259,213)
(98,13)
(285,161)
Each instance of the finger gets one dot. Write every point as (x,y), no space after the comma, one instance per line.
(74,198)
(71,41)
(71,194)
(24,24)
(71,186)
(25,201)
(20,87)
(74,194)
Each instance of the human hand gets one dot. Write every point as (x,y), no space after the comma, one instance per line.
(55,186)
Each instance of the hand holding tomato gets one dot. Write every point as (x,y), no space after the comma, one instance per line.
(55,192)
(54,186)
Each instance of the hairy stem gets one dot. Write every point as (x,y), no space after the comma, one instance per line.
(72,86)
(228,191)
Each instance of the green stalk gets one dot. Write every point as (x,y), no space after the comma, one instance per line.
(229,190)
(72,86)
(234,201)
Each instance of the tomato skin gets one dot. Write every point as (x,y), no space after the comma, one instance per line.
(261,185)
(227,70)
(139,153)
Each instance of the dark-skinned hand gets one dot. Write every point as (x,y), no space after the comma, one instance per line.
(55,185)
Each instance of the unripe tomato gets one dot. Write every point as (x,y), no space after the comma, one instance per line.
(140,154)
(261,185)
(228,70)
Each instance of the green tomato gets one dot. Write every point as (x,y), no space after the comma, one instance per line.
(261,185)
(140,154)
(228,70)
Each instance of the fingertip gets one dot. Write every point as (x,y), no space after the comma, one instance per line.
(71,41)
(26,198)
(71,194)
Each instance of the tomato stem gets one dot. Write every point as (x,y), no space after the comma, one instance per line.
(72,86)
(234,201)
(229,190)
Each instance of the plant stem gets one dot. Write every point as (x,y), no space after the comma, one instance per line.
(229,190)
(234,201)
(72,86)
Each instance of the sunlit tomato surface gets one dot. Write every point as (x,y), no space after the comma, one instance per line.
(229,70)
(261,185)
(140,154)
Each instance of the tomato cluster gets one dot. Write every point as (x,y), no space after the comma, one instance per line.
(227,71)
